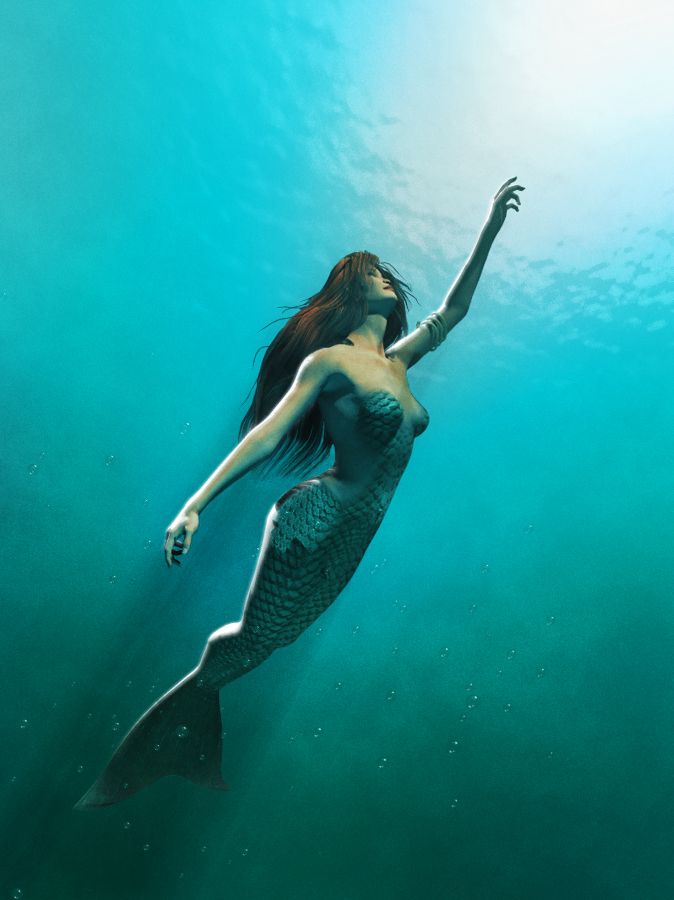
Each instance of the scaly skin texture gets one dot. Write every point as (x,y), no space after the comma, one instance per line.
(312,544)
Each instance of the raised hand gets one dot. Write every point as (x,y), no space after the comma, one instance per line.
(179,535)
(505,198)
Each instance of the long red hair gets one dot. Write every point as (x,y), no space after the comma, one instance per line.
(324,319)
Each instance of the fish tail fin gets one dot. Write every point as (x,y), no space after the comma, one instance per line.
(181,734)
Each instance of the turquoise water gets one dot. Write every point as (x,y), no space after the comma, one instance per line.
(485,712)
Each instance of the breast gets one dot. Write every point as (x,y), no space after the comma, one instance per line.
(379,417)
(375,416)
(421,421)
(382,415)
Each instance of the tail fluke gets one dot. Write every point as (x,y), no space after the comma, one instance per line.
(181,734)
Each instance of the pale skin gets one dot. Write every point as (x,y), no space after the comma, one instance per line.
(363,367)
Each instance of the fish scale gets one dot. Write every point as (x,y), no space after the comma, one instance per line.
(312,544)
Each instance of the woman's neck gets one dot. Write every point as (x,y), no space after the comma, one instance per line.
(370,335)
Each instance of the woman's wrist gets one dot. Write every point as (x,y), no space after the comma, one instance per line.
(194,504)
(490,229)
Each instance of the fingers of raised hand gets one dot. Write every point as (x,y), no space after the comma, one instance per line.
(507,191)
(504,185)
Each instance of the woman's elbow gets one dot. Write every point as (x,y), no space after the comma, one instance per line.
(263,439)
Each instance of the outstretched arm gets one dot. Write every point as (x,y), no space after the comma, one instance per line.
(257,445)
(432,331)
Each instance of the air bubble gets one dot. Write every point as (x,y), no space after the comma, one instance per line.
(318,732)
(540,672)
(485,567)
(452,747)
(382,762)
(146,847)
(507,707)
(126,826)
(472,701)
(391,695)
(550,620)
(338,686)
(109,460)
(444,653)
(32,469)
(510,654)
(182,731)
(454,803)
(23,724)
(147,544)
(113,579)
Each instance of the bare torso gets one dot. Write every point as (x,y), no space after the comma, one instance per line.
(359,375)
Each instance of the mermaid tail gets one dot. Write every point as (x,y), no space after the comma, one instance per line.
(312,544)
(181,734)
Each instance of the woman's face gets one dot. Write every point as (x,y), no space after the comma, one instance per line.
(379,293)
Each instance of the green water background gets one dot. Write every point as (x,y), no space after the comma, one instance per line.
(486,711)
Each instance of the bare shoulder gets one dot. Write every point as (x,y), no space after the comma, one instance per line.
(320,365)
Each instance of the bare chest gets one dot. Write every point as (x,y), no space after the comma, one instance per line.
(359,378)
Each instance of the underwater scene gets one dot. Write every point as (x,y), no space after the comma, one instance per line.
(485,710)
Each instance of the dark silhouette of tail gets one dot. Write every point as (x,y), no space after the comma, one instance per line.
(181,734)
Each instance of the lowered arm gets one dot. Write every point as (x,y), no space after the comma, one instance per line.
(262,440)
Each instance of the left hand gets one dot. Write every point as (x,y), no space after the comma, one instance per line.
(505,198)
(179,535)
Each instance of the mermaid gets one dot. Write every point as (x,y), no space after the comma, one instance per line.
(326,380)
